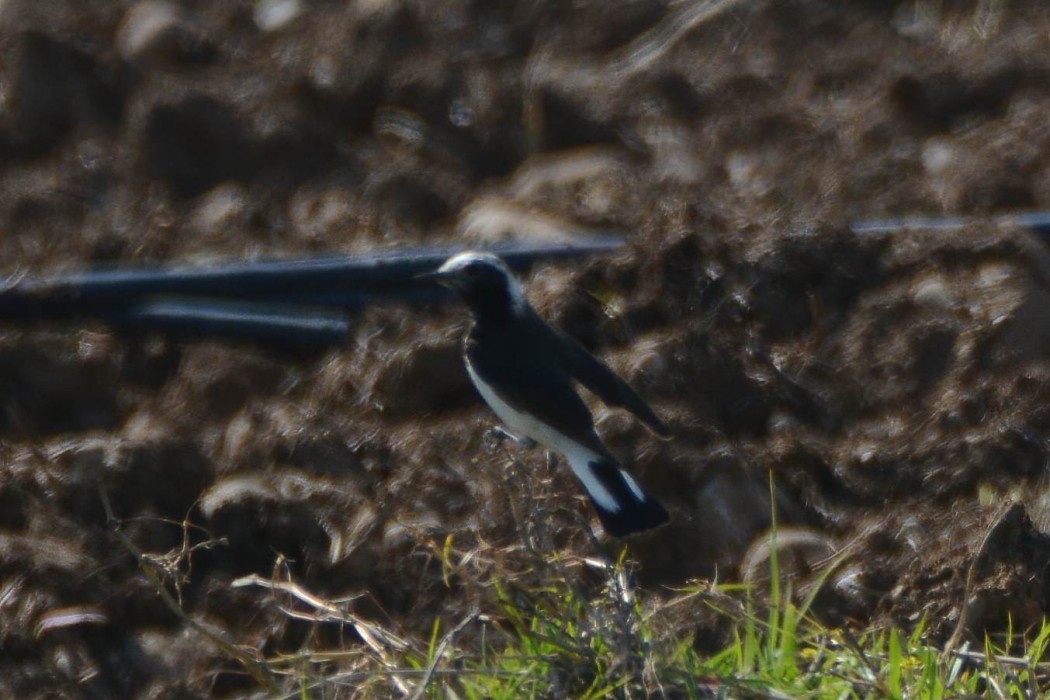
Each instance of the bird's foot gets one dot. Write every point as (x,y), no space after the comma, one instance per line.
(495,437)
(524,442)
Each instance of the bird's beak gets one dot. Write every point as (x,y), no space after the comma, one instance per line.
(436,276)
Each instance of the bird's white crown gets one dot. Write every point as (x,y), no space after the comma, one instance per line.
(461,261)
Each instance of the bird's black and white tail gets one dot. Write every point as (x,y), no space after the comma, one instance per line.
(622,506)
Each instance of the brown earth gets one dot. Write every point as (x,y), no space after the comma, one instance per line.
(897,387)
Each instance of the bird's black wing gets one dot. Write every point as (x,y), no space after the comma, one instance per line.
(524,370)
(606,385)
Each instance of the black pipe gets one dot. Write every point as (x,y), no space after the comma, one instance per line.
(271,324)
(1037,222)
(335,282)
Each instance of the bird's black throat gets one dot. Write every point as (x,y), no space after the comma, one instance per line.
(491,305)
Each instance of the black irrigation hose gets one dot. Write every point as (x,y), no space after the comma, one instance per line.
(270,324)
(303,302)
(291,303)
(332,282)
(1037,222)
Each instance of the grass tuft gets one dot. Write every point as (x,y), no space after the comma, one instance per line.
(553,641)
(546,624)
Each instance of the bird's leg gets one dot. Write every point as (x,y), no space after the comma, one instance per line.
(524,442)
(533,527)
(542,504)
(599,547)
(524,503)
(518,485)
(497,434)
(493,439)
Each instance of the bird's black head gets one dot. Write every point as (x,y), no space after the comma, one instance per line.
(484,282)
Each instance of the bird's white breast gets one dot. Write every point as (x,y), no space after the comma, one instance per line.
(578,456)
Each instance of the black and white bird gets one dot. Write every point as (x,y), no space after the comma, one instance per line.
(524,369)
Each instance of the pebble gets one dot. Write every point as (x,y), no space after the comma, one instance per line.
(937,156)
(746,173)
(220,209)
(933,292)
(273,15)
(148,28)
(316,213)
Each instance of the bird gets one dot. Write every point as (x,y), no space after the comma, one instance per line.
(526,369)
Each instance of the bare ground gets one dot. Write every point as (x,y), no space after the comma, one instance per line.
(897,387)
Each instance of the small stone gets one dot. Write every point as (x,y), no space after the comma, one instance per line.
(149,28)
(316,213)
(937,156)
(913,23)
(647,364)
(220,209)
(933,292)
(746,173)
(273,15)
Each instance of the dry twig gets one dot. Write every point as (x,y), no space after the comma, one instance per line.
(156,571)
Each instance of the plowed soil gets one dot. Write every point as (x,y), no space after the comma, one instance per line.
(888,393)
